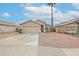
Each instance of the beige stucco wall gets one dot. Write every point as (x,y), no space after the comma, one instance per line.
(45,26)
(72,27)
(66,28)
(31,27)
(60,29)
(4,28)
(30,24)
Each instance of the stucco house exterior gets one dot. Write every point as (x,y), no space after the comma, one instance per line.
(34,26)
(46,26)
(7,27)
(68,27)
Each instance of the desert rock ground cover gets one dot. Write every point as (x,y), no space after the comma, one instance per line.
(58,40)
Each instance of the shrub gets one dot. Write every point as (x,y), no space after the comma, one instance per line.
(19,30)
(77,32)
(52,30)
(70,32)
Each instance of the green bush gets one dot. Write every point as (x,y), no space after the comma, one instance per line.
(19,30)
(52,30)
(77,32)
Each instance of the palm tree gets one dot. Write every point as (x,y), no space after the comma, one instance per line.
(51,5)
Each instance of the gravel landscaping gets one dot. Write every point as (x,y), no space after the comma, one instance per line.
(58,40)
(5,35)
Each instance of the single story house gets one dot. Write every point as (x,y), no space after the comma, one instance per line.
(7,27)
(68,27)
(34,26)
(46,26)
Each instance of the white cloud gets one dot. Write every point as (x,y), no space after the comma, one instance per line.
(64,16)
(45,12)
(5,14)
(73,13)
(26,4)
(58,15)
(76,5)
(42,11)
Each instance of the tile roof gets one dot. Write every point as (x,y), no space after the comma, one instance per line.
(42,22)
(30,21)
(8,24)
(37,22)
(67,22)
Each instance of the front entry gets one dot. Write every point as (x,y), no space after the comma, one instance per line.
(42,28)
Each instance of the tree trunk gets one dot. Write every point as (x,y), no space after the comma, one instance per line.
(52,29)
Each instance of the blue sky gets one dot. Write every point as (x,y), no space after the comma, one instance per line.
(65,12)
(18,12)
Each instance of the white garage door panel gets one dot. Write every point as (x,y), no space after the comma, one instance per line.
(31,29)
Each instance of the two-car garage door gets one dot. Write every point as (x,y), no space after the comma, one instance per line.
(32,29)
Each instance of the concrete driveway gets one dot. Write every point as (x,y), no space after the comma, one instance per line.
(22,44)
(21,39)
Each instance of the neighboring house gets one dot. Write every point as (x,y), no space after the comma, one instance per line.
(45,25)
(33,26)
(68,27)
(7,27)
